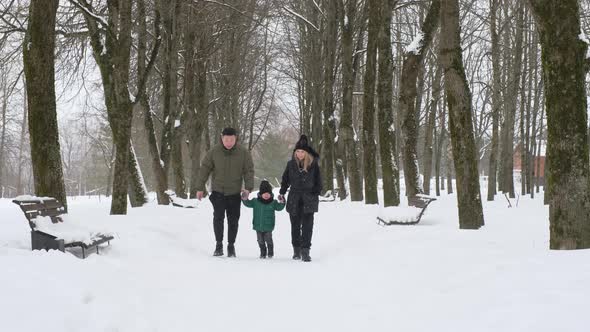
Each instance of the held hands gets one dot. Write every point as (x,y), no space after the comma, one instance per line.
(245,194)
(281,199)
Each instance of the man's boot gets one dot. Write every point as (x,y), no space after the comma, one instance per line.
(271,250)
(231,250)
(296,252)
(262,251)
(305,255)
(218,249)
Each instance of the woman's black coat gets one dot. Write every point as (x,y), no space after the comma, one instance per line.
(305,186)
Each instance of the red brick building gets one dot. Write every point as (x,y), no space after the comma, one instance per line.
(539,160)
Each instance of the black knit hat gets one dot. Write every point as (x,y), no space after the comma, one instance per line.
(229,131)
(303,144)
(265,187)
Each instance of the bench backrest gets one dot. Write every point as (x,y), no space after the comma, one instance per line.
(420,201)
(41,207)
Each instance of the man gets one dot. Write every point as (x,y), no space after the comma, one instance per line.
(229,164)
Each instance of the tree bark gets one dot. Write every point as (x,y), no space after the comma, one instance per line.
(170,15)
(158,170)
(389,168)
(137,190)
(460,123)
(3,136)
(329,122)
(413,61)
(369,145)
(199,119)
(496,101)
(507,149)
(21,149)
(523,112)
(39,67)
(428,149)
(347,135)
(563,60)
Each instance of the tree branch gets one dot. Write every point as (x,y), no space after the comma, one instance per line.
(144,76)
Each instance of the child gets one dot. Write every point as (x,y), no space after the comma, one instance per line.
(264,217)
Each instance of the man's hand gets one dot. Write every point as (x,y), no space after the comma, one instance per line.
(245,194)
(199,195)
(281,199)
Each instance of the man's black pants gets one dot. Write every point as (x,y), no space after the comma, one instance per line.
(222,206)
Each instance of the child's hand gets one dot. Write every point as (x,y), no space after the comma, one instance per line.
(281,199)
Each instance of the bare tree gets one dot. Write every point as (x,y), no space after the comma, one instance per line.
(39,62)
(346,131)
(460,123)
(389,168)
(369,145)
(564,71)
(413,61)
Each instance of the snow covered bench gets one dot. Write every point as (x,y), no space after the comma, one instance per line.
(182,202)
(329,196)
(405,215)
(50,230)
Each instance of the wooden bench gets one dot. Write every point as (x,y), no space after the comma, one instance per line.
(182,202)
(34,208)
(329,196)
(419,201)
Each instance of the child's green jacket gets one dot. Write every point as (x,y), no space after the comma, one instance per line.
(264,213)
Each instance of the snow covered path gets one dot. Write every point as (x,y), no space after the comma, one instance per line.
(159,275)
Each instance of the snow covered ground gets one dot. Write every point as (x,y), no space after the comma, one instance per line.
(159,275)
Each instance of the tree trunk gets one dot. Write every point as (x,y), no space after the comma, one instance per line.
(496,101)
(21,149)
(523,112)
(369,146)
(137,189)
(329,123)
(563,58)
(157,166)
(459,103)
(39,67)
(449,166)
(532,136)
(170,80)
(347,135)
(389,168)
(428,149)
(112,53)
(3,136)
(440,183)
(507,150)
(413,61)
(538,167)
(199,119)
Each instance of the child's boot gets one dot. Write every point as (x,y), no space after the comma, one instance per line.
(271,250)
(263,251)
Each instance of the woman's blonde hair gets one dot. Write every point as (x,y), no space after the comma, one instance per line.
(307,159)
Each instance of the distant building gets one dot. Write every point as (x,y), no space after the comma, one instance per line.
(539,160)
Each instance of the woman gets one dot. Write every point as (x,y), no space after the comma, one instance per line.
(302,174)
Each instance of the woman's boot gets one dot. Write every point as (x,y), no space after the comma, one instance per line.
(296,252)
(305,255)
